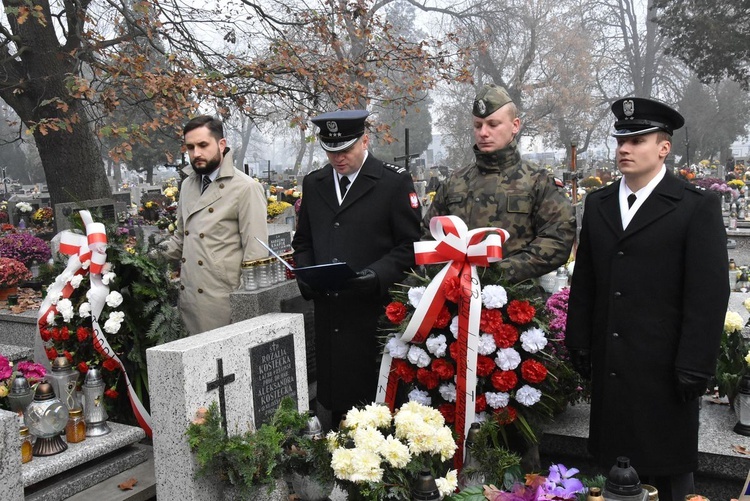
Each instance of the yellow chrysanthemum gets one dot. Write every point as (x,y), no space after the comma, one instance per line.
(733,322)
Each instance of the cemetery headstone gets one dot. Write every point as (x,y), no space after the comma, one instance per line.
(250,366)
(103,209)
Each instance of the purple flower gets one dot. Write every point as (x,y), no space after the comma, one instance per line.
(561,484)
(24,247)
(5,369)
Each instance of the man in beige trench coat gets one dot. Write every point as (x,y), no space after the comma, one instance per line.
(220,212)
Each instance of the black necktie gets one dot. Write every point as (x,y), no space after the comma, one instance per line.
(206,182)
(631,200)
(343,184)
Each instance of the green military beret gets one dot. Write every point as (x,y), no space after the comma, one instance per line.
(490,98)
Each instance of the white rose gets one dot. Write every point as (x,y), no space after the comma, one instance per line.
(114,299)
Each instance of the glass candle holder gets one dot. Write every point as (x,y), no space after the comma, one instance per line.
(46,417)
(75,430)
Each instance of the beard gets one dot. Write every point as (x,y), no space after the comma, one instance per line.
(211,165)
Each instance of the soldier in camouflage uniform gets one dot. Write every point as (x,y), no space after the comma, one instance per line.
(501,190)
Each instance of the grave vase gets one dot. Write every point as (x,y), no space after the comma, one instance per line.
(7,291)
(278,492)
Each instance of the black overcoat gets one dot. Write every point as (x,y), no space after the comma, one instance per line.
(646,301)
(375,228)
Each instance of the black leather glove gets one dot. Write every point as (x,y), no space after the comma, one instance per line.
(366,282)
(581,360)
(690,386)
(307,292)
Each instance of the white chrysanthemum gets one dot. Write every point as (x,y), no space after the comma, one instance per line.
(424,412)
(533,340)
(84,311)
(448,392)
(65,308)
(733,322)
(486,345)
(51,318)
(373,415)
(418,356)
(528,396)
(497,400)
(507,359)
(494,296)
(419,396)
(437,345)
(356,465)
(367,438)
(332,441)
(395,452)
(75,282)
(448,484)
(112,325)
(454,326)
(108,277)
(396,348)
(415,295)
(446,446)
(114,299)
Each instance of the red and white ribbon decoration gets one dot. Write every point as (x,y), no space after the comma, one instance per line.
(86,249)
(463,250)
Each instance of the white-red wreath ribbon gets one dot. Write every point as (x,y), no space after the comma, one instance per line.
(88,254)
(463,250)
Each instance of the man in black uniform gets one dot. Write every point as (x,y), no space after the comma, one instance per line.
(364,212)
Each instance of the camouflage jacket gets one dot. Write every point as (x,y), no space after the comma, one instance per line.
(502,191)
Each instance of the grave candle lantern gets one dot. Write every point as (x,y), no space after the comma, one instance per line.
(46,417)
(94,413)
(742,407)
(64,379)
(20,395)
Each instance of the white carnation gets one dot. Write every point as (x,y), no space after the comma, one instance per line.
(114,299)
(507,359)
(65,308)
(112,325)
(481,417)
(85,265)
(419,396)
(106,268)
(84,311)
(415,295)
(437,345)
(75,282)
(497,400)
(418,356)
(396,348)
(487,344)
(448,392)
(54,298)
(108,277)
(494,296)
(533,340)
(528,396)
(454,326)
(51,318)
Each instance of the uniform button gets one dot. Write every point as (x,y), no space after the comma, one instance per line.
(184,259)
(335,260)
(336,224)
(612,374)
(210,209)
(221,185)
(615,334)
(618,295)
(201,235)
(620,253)
(200,291)
(187,232)
(200,263)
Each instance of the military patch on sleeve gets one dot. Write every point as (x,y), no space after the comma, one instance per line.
(414,200)
(558,182)
(397,168)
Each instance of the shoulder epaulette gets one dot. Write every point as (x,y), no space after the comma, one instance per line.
(396,168)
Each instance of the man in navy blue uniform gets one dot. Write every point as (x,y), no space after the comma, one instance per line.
(364,212)
(647,303)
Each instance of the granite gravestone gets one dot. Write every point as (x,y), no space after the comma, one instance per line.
(246,367)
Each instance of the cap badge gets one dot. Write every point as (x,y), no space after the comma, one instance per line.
(628,107)
(481,107)
(332,126)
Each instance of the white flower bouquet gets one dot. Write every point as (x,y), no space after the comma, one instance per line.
(377,455)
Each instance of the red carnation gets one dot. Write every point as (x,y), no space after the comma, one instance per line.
(490,320)
(111,393)
(68,355)
(443,368)
(404,371)
(83,368)
(506,336)
(82,333)
(443,319)
(452,289)
(110,364)
(427,378)
(46,334)
(448,411)
(504,380)
(506,415)
(51,353)
(533,372)
(481,404)
(64,334)
(521,312)
(485,366)
(453,350)
(396,312)
(55,334)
